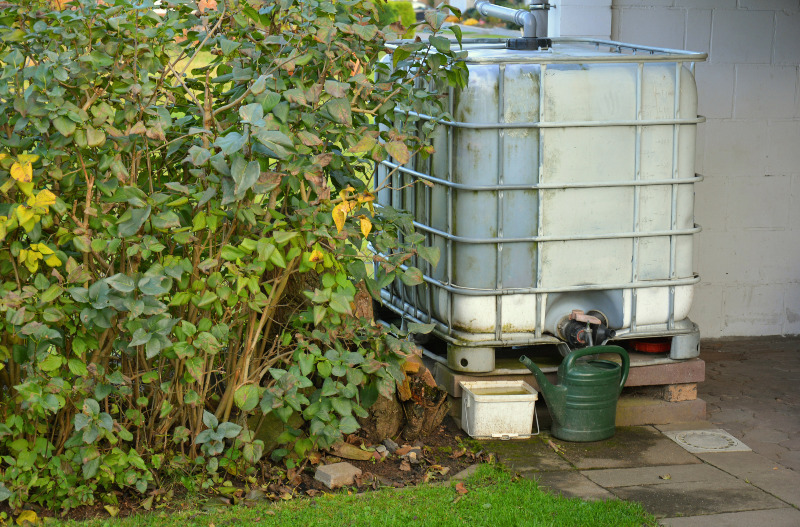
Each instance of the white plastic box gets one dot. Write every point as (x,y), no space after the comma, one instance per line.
(497,409)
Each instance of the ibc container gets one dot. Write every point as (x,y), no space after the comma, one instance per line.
(564,181)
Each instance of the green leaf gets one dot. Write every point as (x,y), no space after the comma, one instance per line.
(339,111)
(77,367)
(414,327)
(65,126)
(441,44)
(246,397)
(251,113)
(341,405)
(456,31)
(412,276)
(244,175)
(209,419)
(134,222)
(227,46)
(198,155)
(4,493)
(95,137)
(121,282)
(229,430)
(52,362)
(348,424)
(231,143)
(231,253)
(430,254)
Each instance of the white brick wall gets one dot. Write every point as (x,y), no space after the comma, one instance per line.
(748,254)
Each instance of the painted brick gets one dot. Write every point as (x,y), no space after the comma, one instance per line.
(753,310)
(586,21)
(791,308)
(735,148)
(711,202)
(698,30)
(788,5)
(752,202)
(783,155)
(787,38)
(715,89)
(700,145)
(337,475)
(659,26)
(706,309)
(706,4)
(728,41)
(640,3)
(592,3)
(794,204)
(763,91)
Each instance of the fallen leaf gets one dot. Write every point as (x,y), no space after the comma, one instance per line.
(27,516)
(460,488)
(405,466)
(665,476)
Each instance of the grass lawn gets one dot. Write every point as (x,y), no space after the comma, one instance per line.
(493,497)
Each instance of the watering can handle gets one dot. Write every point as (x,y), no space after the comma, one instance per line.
(595,350)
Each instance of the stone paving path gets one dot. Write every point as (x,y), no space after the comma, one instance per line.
(753,391)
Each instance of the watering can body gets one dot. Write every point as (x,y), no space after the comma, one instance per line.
(584,402)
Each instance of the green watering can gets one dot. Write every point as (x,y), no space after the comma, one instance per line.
(584,402)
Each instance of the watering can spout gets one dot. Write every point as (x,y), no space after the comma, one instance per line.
(554,394)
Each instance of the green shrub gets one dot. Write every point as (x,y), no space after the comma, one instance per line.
(185,212)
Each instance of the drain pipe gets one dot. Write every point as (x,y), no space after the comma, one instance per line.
(525,19)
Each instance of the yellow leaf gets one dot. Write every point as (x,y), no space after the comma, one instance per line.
(52,261)
(26,187)
(45,198)
(24,214)
(22,172)
(27,158)
(42,248)
(3,156)
(27,516)
(316,256)
(339,214)
(366,225)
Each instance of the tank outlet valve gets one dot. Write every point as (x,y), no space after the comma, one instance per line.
(580,330)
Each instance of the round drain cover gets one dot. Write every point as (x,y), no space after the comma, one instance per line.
(707,440)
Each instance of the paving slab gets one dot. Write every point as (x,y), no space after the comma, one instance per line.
(629,447)
(760,471)
(787,517)
(570,484)
(661,475)
(527,454)
(695,498)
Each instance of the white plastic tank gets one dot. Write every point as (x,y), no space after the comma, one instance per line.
(564,181)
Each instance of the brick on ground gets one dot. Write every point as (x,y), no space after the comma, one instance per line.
(337,475)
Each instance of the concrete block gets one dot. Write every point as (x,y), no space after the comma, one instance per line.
(616,477)
(727,44)
(715,83)
(569,484)
(735,148)
(337,475)
(586,21)
(640,3)
(787,38)
(783,155)
(694,498)
(758,202)
(634,411)
(698,30)
(781,517)
(764,91)
(657,26)
(753,310)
